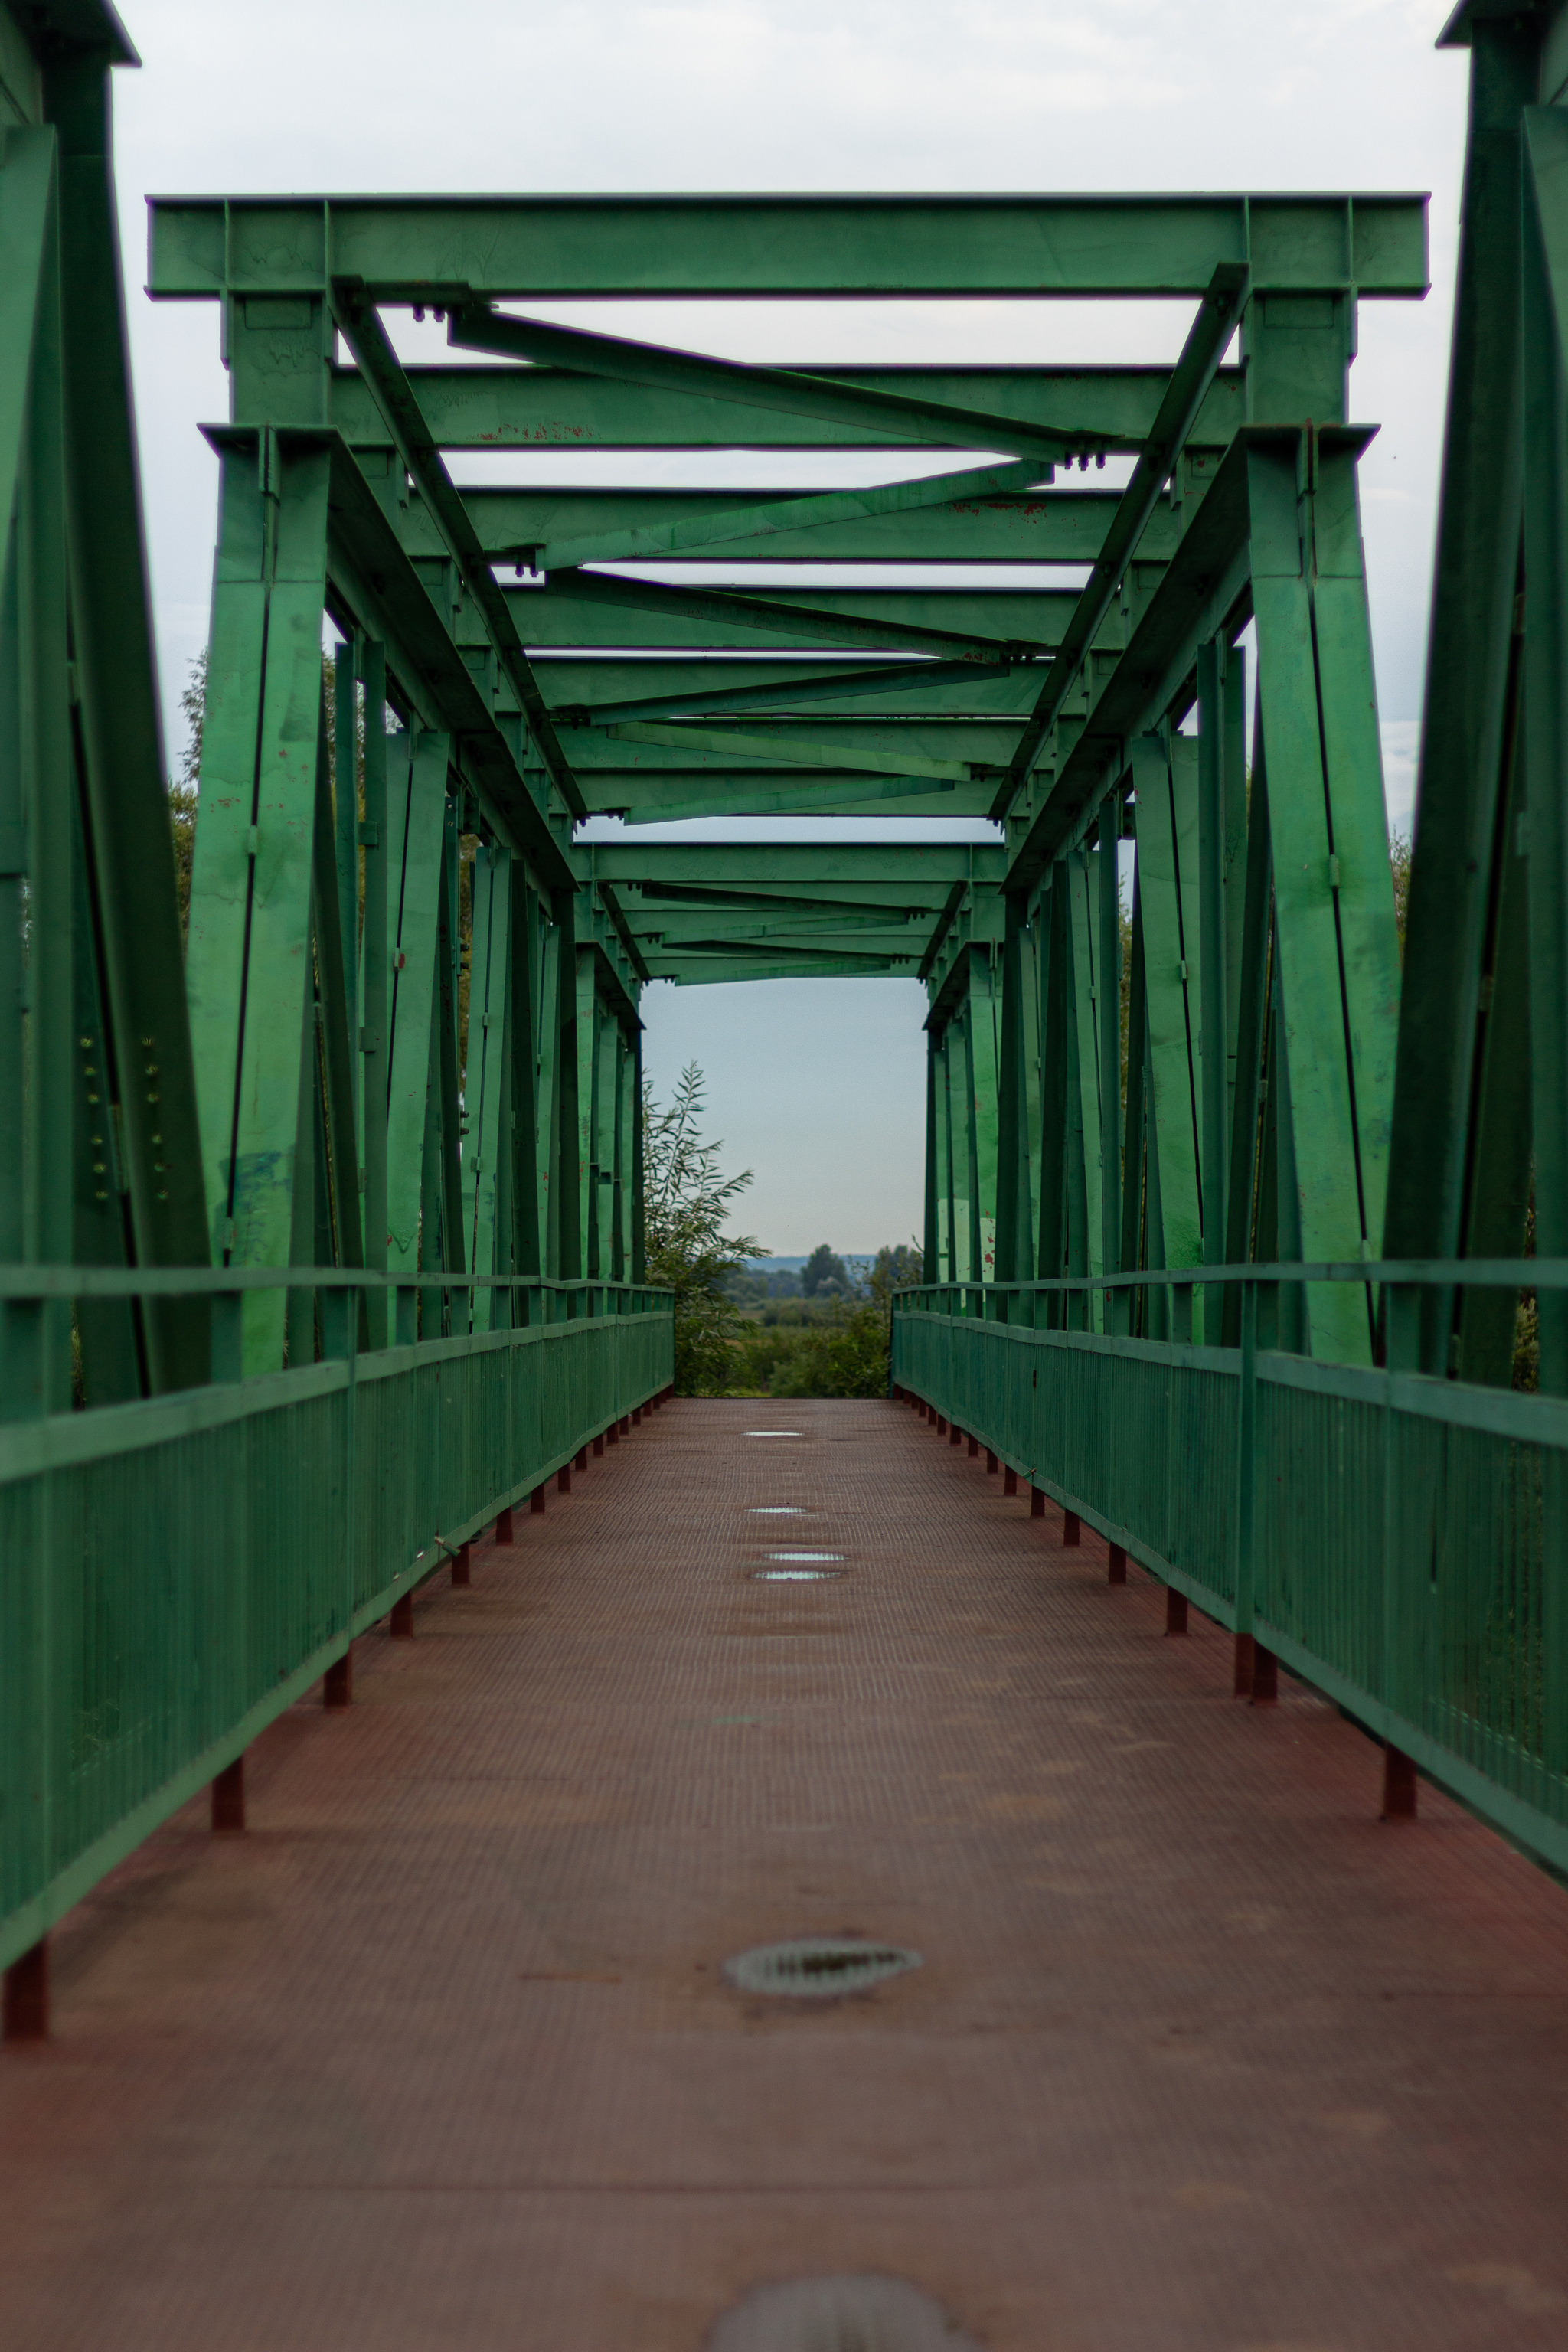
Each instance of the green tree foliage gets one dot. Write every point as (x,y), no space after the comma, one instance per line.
(844,1356)
(824,1271)
(894,1267)
(183,790)
(1399,866)
(685,1203)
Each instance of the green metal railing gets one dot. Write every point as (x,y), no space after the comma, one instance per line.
(1397,1540)
(175,1572)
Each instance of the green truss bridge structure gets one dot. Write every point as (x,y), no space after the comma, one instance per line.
(320,1226)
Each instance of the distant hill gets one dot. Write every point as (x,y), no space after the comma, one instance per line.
(793,1265)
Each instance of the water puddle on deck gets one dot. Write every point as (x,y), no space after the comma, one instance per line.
(817,1968)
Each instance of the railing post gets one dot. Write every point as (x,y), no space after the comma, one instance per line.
(27,1999)
(1245,1488)
(1398,1785)
(228,1798)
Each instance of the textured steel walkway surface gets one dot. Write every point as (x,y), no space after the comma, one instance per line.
(439,2054)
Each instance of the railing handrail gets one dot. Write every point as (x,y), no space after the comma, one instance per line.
(49,1281)
(1486,1273)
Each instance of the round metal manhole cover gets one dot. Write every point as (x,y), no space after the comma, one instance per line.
(863,2313)
(817,1968)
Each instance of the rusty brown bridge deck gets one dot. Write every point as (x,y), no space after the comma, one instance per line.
(439,2056)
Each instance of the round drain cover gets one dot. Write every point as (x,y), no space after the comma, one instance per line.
(817,1968)
(838,2315)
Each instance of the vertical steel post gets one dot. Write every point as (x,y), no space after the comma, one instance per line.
(375,994)
(1110,1010)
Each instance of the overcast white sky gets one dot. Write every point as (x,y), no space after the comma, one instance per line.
(818,1086)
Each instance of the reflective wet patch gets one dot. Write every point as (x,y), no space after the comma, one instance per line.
(817,1968)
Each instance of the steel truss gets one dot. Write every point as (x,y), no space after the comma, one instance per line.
(555,653)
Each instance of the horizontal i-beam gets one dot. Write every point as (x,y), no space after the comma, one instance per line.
(1094,409)
(990,619)
(713,865)
(763,517)
(452,248)
(980,526)
(713,608)
(786,390)
(899,679)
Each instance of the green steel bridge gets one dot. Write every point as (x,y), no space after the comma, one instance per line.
(320,1231)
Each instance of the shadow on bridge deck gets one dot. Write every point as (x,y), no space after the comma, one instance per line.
(441,2053)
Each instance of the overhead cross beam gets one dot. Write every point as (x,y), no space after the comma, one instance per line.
(785,390)
(893,679)
(459,249)
(1094,410)
(757,519)
(723,610)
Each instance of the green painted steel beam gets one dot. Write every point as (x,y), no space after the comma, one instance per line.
(760,519)
(912,690)
(448,249)
(1013,527)
(362,329)
(713,610)
(1095,409)
(944,747)
(715,865)
(1472,687)
(675,926)
(1190,379)
(718,972)
(645,800)
(89,25)
(1204,589)
(762,896)
(889,750)
(615,915)
(730,959)
(786,391)
(380,588)
(124,775)
(1204,586)
(987,620)
(887,942)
